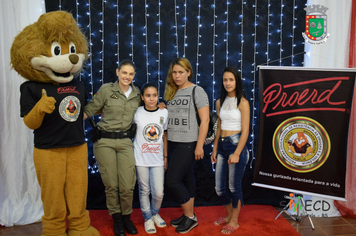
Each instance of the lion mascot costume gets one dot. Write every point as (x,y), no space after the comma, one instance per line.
(48,54)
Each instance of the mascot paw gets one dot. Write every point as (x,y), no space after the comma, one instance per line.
(91,231)
(46,104)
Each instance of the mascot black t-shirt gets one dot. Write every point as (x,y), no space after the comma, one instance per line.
(64,126)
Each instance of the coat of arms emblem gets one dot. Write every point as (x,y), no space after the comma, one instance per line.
(316,24)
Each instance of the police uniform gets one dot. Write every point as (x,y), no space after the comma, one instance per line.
(115,155)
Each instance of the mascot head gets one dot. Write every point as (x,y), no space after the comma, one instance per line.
(50,50)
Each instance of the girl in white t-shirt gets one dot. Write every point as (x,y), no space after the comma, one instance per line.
(150,149)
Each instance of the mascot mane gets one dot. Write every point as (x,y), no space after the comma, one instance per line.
(35,40)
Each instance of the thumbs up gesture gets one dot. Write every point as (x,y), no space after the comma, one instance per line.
(46,104)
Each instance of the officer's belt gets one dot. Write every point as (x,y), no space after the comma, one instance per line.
(115,135)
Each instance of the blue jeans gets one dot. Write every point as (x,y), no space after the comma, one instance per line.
(228,178)
(180,173)
(150,180)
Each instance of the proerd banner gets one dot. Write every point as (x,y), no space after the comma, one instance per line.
(303,124)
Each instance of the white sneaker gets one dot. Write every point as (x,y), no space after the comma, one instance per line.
(150,226)
(159,222)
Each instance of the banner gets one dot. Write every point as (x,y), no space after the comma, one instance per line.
(303,124)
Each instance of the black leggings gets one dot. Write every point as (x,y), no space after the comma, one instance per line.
(180,173)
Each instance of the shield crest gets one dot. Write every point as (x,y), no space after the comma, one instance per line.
(315,27)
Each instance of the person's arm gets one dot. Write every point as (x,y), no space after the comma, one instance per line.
(165,150)
(244,107)
(203,131)
(216,140)
(95,105)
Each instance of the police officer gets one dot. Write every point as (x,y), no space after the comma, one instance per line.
(118,102)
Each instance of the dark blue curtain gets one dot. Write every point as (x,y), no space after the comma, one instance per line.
(211,34)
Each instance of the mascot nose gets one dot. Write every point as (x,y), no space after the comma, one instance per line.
(73,58)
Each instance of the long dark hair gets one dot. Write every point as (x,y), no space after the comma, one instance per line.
(144,87)
(239,92)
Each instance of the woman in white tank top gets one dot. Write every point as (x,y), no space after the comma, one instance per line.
(229,151)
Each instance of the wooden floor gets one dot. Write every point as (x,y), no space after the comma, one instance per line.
(340,226)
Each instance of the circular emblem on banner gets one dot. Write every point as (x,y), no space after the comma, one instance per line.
(69,109)
(301,144)
(152,132)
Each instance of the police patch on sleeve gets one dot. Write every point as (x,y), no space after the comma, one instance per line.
(69,109)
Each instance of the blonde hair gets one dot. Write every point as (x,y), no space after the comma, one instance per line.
(171,87)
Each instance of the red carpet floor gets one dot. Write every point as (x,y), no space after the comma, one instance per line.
(255,220)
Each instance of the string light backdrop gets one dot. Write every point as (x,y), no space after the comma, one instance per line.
(211,34)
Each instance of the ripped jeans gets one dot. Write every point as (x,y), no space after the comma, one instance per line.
(228,178)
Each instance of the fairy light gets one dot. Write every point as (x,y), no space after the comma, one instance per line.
(254,86)
(293,22)
(227,33)
(102,40)
(117,32)
(90,51)
(185,27)
(176,24)
(268,32)
(93,169)
(159,48)
(242,38)
(213,64)
(255,44)
(60,5)
(197,75)
(77,11)
(213,56)
(132,35)
(77,19)
(146,45)
(281,35)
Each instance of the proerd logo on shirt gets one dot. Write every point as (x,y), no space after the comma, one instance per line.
(68,89)
(152,132)
(69,108)
(150,148)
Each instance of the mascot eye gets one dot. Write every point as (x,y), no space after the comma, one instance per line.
(56,49)
(72,48)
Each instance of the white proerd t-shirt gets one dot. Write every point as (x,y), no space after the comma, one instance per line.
(148,143)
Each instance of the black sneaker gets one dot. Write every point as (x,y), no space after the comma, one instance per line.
(176,222)
(187,225)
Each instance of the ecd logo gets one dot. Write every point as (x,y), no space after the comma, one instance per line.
(296,204)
